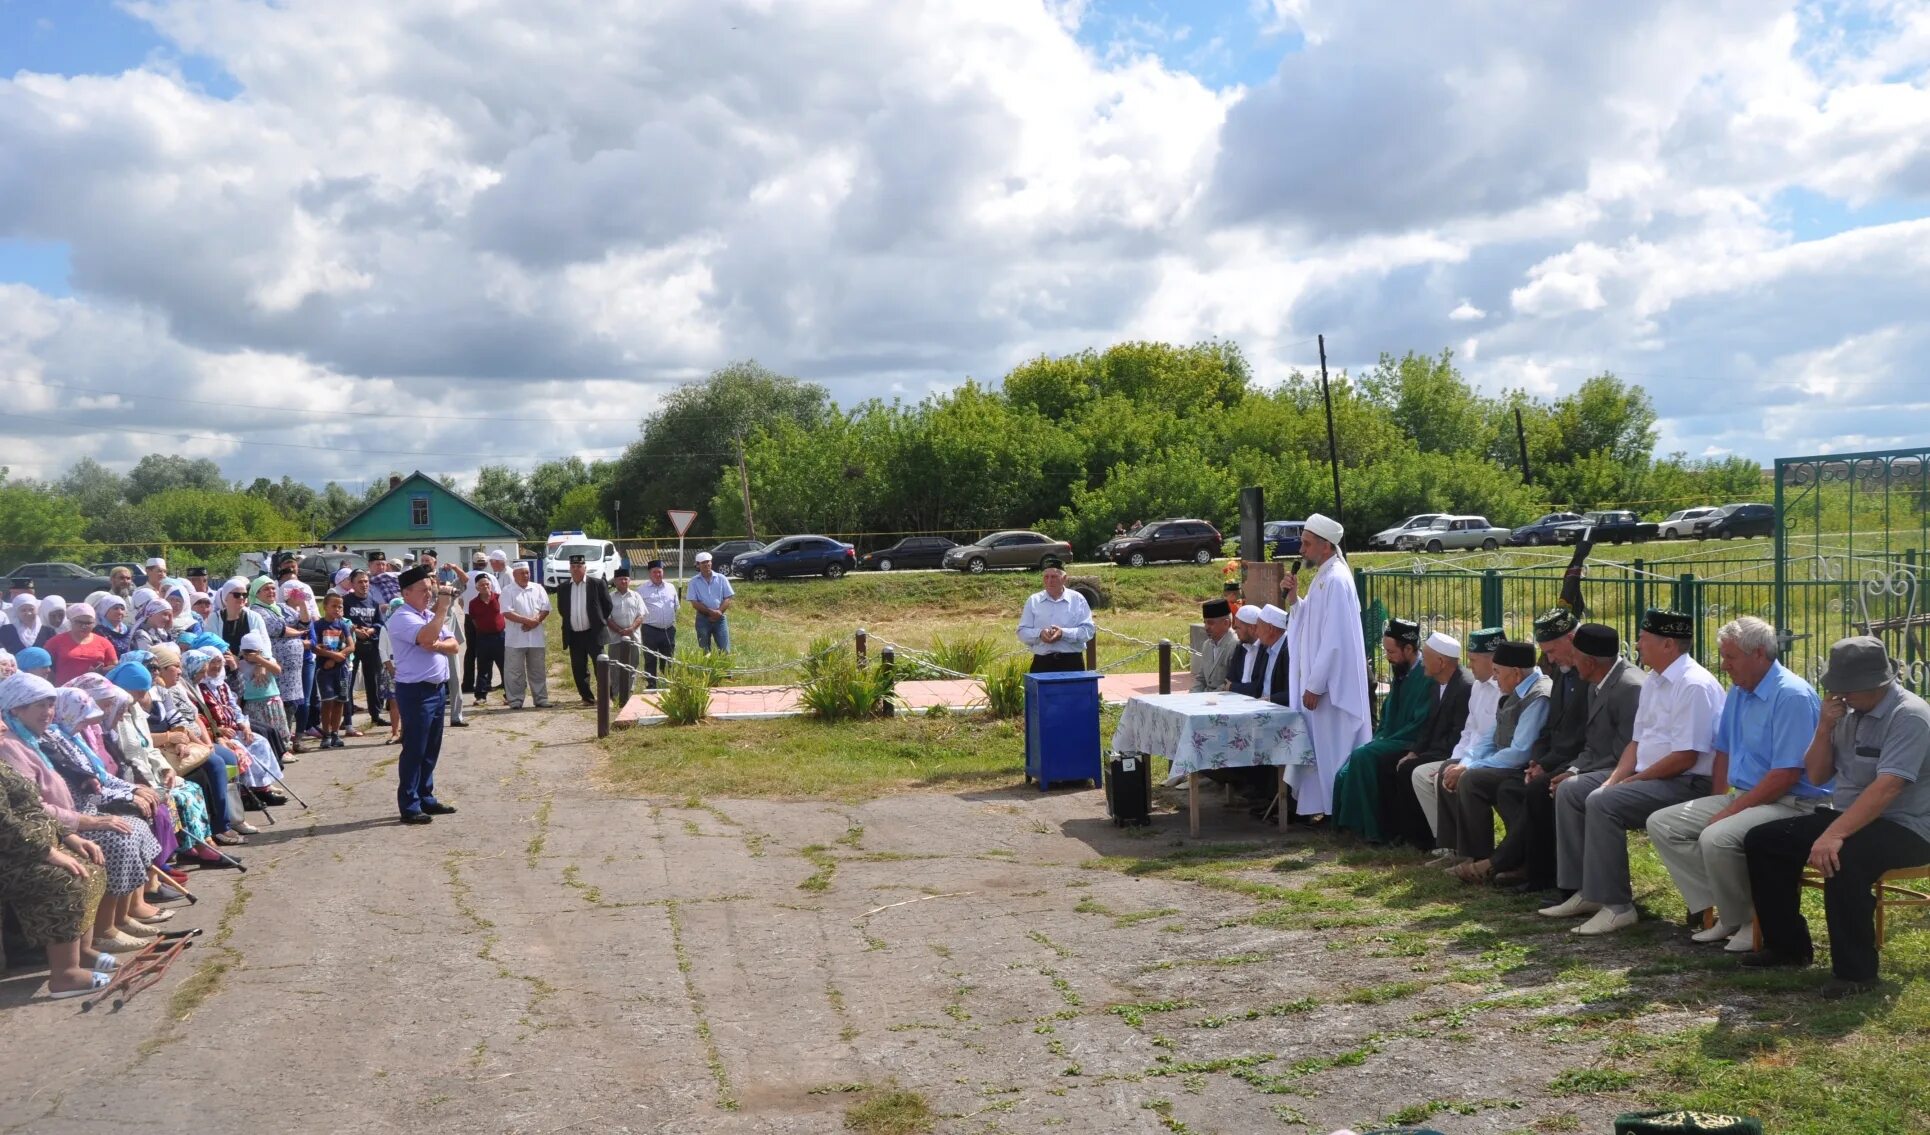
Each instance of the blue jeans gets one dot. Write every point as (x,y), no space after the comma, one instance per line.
(713,631)
(421,705)
(213,779)
(311,715)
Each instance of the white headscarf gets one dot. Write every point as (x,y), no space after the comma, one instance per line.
(52,610)
(8,667)
(26,615)
(74,708)
(24,689)
(107,603)
(230,587)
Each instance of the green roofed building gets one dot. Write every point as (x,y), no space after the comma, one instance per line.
(419,512)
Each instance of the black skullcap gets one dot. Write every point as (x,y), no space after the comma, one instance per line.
(1597,640)
(576,559)
(653,565)
(1518,654)
(1404,631)
(414,575)
(1215,609)
(1668,624)
(1052,562)
(197,572)
(1232,587)
(624,572)
(1556,623)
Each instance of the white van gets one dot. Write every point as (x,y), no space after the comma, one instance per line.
(600,558)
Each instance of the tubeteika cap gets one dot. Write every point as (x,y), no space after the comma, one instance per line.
(1681,1122)
(414,575)
(1052,562)
(1215,609)
(576,559)
(1445,645)
(1273,616)
(1556,622)
(1667,623)
(703,557)
(653,565)
(1485,640)
(1404,631)
(1517,654)
(1249,613)
(1857,664)
(621,573)
(197,572)
(1597,640)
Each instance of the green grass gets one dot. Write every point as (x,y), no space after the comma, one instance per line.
(890,1113)
(800,757)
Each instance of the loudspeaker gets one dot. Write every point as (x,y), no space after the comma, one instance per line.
(1253,523)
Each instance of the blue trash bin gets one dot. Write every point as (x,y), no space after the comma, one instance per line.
(1062,727)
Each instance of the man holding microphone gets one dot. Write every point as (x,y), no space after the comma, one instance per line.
(420,639)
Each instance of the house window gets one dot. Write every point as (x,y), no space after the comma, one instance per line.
(419,512)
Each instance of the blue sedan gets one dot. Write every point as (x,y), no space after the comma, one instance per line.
(797,555)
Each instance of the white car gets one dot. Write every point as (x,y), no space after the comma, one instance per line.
(600,560)
(1680,525)
(1391,537)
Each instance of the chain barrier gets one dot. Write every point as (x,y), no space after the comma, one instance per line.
(735,671)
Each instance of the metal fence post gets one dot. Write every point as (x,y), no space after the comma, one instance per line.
(860,643)
(1165,666)
(1092,653)
(1491,605)
(1634,618)
(886,660)
(1688,600)
(602,694)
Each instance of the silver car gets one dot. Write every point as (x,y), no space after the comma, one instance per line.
(1462,532)
(1680,524)
(1390,537)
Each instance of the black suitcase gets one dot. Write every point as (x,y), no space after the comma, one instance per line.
(1129,791)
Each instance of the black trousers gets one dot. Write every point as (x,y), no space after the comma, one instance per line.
(1475,797)
(1528,809)
(483,658)
(1777,852)
(582,651)
(368,663)
(660,640)
(1401,809)
(469,655)
(1059,662)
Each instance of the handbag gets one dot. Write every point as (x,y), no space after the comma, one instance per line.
(190,757)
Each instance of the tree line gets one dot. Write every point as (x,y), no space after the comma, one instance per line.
(1071,445)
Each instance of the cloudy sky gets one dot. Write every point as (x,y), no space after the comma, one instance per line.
(331,237)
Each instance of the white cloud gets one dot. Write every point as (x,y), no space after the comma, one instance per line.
(1466,312)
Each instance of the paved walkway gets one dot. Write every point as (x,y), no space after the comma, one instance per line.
(727,702)
(557,959)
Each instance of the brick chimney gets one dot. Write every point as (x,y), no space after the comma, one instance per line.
(395,481)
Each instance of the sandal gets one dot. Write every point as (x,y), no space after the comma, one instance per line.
(119,944)
(228,839)
(160,916)
(95,983)
(105,963)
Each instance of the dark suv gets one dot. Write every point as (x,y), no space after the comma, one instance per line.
(910,552)
(1194,540)
(317,569)
(1732,520)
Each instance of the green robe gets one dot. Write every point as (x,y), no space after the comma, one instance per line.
(1357,789)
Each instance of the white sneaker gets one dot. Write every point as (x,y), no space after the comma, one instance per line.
(1574,906)
(1441,853)
(1717,933)
(1608,922)
(1744,942)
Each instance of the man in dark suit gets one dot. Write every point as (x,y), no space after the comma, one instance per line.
(584,605)
(1270,666)
(1242,671)
(1610,691)
(1403,821)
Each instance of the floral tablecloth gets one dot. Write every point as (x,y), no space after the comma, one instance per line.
(1213,730)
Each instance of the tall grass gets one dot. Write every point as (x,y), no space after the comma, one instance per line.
(1005,688)
(685,698)
(841,690)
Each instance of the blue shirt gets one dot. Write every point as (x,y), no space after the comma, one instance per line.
(710,592)
(1070,614)
(414,663)
(1768,728)
(1528,726)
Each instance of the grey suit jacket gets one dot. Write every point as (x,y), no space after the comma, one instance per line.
(1611,718)
(1210,668)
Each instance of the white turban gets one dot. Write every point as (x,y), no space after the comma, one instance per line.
(1445,645)
(1249,613)
(157,561)
(1326,527)
(1272,616)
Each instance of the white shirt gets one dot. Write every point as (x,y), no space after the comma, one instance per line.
(528,602)
(1678,712)
(1068,612)
(1273,654)
(1484,698)
(1246,668)
(579,606)
(626,607)
(659,604)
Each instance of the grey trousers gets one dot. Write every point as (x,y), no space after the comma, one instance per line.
(526,667)
(1427,788)
(1706,859)
(1592,825)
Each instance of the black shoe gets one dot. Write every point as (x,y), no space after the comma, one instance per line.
(439,809)
(417,818)
(381,722)
(1769,959)
(589,701)
(1526,889)
(460,724)
(1837,988)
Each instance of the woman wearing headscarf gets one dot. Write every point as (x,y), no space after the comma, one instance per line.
(8,667)
(285,650)
(298,606)
(53,882)
(180,601)
(53,612)
(23,628)
(116,623)
(153,623)
(27,705)
(78,650)
(232,618)
(76,736)
(174,721)
(124,695)
(261,693)
(259,769)
(35,660)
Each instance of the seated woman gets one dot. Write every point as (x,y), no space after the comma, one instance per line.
(53,881)
(175,726)
(153,623)
(78,649)
(27,704)
(22,628)
(36,661)
(124,702)
(221,711)
(75,736)
(116,622)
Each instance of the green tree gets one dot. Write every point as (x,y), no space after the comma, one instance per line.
(93,487)
(502,491)
(1427,399)
(163,472)
(35,522)
(127,527)
(580,508)
(203,517)
(697,431)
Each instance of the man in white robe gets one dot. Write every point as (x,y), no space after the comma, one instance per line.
(1326,665)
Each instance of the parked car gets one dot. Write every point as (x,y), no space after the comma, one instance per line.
(107,569)
(71,582)
(1194,540)
(1680,524)
(1733,520)
(1618,527)
(1461,532)
(1012,549)
(1387,537)
(317,569)
(724,554)
(910,552)
(1283,536)
(797,555)
(1547,529)
(600,560)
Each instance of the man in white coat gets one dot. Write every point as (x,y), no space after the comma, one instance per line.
(1326,665)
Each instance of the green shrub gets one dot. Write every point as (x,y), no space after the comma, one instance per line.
(841,691)
(969,655)
(821,648)
(1005,688)
(685,697)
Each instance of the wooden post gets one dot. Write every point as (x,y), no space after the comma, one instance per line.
(885,660)
(859,639)
(1165,666)
(602,694)
(1092,653)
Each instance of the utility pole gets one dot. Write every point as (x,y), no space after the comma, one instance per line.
(1521,439)
(744,482)
(618,505)
(1333,448)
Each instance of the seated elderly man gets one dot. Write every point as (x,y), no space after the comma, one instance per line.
(1242,670)
(1873,737)
(1357,786)
(1436,807)
(1518,724)
(1221,646)
(1766,726)
(1667,762)
(1270,655)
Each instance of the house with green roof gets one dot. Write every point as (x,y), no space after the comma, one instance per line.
(420,513)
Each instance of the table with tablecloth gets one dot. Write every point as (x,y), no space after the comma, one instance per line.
(1198,731)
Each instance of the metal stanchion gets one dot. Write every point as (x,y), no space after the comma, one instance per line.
(887,660)
(1165,666)
(1092,653)
(860,640)
(602,693)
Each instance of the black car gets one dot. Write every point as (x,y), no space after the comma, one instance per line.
(910,552)
(71,582)
(317,569)
(722,555)
(1554,528)
(796,555)
(1733,520)
(1194,540)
